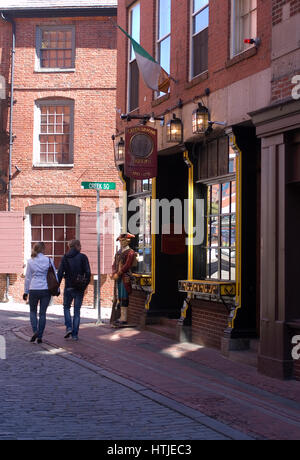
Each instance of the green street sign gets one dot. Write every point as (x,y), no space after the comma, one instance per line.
(98,185)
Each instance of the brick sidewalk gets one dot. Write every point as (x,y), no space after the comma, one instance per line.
(199,378)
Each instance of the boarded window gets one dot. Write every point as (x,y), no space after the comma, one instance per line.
(11,242)
(88,238)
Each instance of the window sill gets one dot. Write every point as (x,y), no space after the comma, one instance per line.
(241,57)
(196,80)
(72,70)
(52,166)
(160,100)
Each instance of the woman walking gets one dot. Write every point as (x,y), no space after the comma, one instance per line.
(37,287)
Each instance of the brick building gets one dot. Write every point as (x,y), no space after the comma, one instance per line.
(213,292)
(58,66)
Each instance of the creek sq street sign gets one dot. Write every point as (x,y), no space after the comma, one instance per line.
(98,185)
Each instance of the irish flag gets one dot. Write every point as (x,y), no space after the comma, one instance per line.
(153,74)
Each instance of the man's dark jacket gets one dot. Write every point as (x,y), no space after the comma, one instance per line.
(73,263)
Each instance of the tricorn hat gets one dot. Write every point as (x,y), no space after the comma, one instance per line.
(125,236)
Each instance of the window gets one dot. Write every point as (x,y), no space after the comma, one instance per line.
(199,45)
(217,180)
(55,230)
(141,190)
(133,70)
(221,231)
(164,36)
(244,24)
(55,48)
(54,133)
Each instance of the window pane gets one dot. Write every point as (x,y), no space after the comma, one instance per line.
(198,4)
(71,220)
(232,264)
(233,231)
(59,220)
(70,234)
(233,197)
(201,21)
(36,234)
(133,86)
(164,54)
(36,220)
(59,234)
(225,264)
(214,228)
(47,220)
(215,199)
(225,206)
(200,53)
(47,234)
(48,249)
(214,264)
(164,18)
(135,27)
(225,231)
(59,249)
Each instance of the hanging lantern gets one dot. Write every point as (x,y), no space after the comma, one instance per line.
(120,150)
(200,119)
(175,130)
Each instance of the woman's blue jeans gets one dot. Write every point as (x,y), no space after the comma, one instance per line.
(71,294)
(35,297)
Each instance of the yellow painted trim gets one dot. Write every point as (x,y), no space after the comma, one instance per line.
(238,298)
(191,216)
(153,237)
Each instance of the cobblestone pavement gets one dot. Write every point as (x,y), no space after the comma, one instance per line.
(45,396)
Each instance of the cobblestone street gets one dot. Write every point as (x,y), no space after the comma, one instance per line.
(44,396)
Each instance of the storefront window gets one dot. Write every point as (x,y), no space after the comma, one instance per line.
(221,232)
(217,180)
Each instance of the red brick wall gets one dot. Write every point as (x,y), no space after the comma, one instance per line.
(136,307)
(282,87)
(92,86)
(277,6)
(209,320)
(220,74)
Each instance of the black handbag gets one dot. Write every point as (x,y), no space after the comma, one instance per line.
(53,284)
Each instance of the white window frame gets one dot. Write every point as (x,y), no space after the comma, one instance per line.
(39,35)
(46,209)
(237,33)
(130,60)
(159,40)
(192,35)
(37,127)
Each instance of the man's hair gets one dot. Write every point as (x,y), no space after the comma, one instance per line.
(74,244)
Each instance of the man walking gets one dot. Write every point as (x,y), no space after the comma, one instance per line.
(75,268)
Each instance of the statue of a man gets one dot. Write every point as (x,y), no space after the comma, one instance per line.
(121,272)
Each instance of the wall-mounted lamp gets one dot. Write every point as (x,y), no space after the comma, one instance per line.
(175,130)
(119,150)
(200,119)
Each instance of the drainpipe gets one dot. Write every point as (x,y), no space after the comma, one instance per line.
(11,140)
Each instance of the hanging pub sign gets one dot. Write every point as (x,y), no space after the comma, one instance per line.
(141,152)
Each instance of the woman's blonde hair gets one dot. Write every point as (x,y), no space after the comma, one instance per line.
(38,248)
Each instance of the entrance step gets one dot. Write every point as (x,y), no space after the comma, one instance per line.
(165,327)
